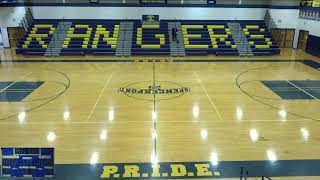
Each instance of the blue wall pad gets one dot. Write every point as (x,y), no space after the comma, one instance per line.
(313,47)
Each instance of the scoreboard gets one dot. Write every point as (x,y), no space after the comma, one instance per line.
(27,162)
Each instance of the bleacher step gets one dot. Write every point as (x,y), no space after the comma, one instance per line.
(124,42)
(55,45)
(176,47)
(240,39)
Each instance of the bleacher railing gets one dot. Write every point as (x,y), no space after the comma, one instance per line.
(26,23)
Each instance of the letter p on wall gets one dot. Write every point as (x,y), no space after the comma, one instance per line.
(108,171)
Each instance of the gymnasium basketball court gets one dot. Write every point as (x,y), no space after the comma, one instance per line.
(206,106)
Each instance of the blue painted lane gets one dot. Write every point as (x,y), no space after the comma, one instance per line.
(187,170)
(286,90)
(17,91)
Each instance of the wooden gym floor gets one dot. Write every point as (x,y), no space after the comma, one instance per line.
(92,112)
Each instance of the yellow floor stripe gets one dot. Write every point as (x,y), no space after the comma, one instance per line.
(94,107)
(206,92)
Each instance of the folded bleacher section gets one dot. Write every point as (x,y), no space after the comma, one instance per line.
(260,38)
(36,41)
(208,37)
(97,38)
(150,39)
(101,37)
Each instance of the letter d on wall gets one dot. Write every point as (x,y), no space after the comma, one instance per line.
(178,170)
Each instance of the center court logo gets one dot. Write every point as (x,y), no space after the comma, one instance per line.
(159,90)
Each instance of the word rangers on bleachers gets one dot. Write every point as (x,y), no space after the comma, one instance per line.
(206,37)
(150,39)
(91,38)
(260,39)
(101,37)
(37,40)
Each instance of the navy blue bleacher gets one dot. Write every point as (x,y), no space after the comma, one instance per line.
(100,37)
(150,39)
(259,38)
(36,41)
(208,37)
(97,38)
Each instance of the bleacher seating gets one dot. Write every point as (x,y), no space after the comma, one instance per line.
(208,37)
(260,39)
(150,39)
(98,38)
(37,40)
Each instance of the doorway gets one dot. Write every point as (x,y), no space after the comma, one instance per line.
(284,37)
(303,39)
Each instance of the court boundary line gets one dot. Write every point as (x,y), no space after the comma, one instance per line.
(96,122)
(99,97)
(206,92)
(302,90)
(133,60)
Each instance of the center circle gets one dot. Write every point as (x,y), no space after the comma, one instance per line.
(154,90)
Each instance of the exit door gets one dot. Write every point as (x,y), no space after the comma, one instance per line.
(303,39)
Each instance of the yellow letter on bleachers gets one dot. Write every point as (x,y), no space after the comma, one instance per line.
(187,36)
(85,36)
(161,37)
(111,40)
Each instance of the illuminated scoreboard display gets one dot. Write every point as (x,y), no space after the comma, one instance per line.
(27,162)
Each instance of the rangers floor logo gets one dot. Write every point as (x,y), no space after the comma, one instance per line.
(158,90)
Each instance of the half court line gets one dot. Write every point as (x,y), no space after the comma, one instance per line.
(154,156)
(206,92)
(103,89)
